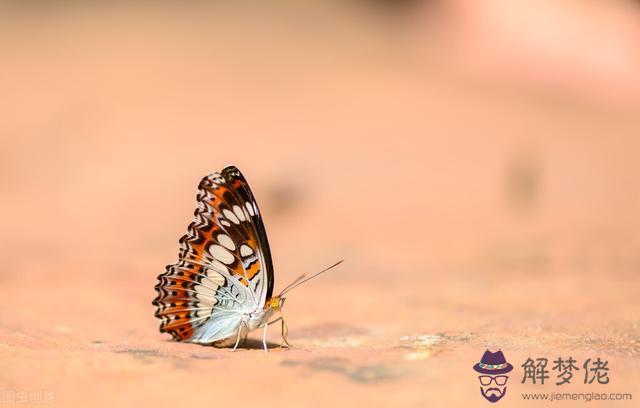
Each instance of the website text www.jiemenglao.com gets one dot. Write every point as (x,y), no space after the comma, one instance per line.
(577,396)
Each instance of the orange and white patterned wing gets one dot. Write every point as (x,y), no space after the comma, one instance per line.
(224,268)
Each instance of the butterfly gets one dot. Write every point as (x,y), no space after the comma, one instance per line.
(221,287)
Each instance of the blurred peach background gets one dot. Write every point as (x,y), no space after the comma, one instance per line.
(475,163)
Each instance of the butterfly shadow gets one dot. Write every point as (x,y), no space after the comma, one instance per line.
(256,344)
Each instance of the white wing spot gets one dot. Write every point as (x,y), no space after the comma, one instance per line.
(230,216)
(226,242)
(219,270)
(206,295)
(225,223)
(245,250)
(249,208)
(239,213)
(215,278)
(221,254)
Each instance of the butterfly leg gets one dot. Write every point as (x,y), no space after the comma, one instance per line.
(285,333)
(238,339)
(264,337)
(285,330)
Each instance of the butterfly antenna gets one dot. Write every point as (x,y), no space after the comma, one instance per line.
(303,278)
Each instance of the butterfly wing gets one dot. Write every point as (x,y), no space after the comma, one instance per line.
(224,268)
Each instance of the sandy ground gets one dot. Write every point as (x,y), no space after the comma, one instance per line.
(482,189)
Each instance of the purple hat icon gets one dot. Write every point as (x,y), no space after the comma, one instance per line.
(493,363)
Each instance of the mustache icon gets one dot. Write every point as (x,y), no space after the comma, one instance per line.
(493,391)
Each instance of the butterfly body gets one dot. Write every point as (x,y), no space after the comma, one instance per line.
(238,329)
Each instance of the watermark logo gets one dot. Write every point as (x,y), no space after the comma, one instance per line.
(544,372)
(493,368)
(30,397)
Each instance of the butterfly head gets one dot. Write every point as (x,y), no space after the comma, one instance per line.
(276,303)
